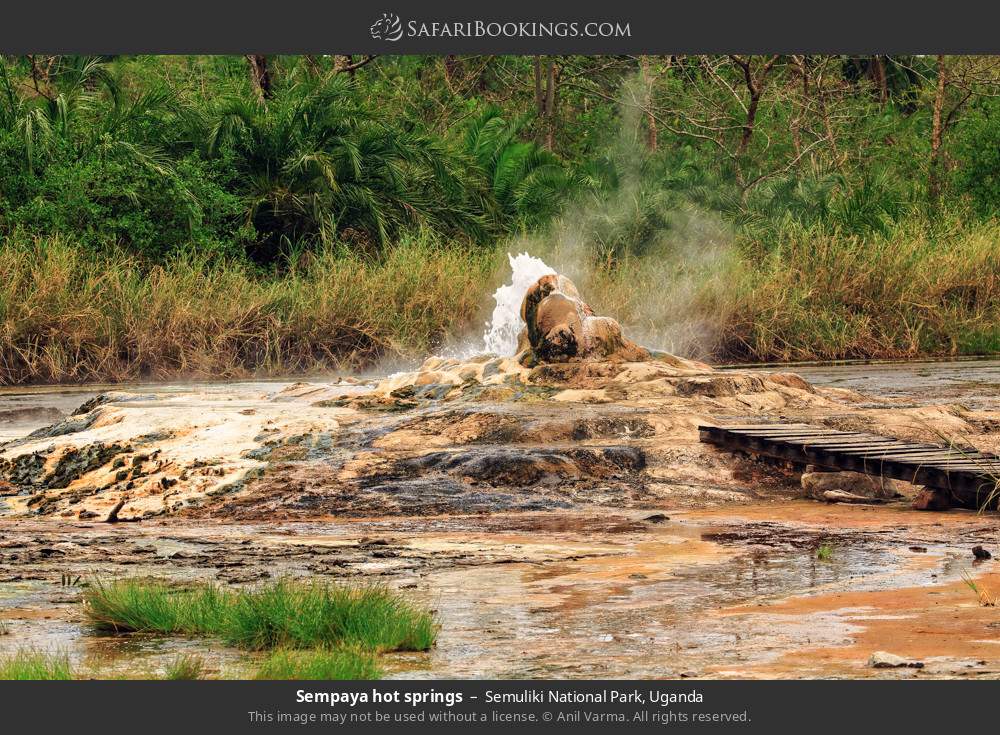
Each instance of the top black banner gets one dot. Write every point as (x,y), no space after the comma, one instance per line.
(511,26)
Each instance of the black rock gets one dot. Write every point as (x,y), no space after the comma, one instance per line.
(980,553)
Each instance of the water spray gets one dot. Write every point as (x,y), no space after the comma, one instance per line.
(503,328)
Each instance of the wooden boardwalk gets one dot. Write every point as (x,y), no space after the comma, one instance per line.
(969,477)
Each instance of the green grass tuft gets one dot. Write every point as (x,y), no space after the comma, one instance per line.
(29,665)
(284,613)
(985,597)
(824,552)
(187,667)
(318,664)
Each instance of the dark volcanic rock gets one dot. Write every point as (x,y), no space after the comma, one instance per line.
(520,467)
(70,425)
(980,553)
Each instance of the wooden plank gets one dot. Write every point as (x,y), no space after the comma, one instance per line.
(970,467)
(789,432)
(924,455)
(859,444)
(966,474)
(781,429)
(915,453)
(958,465)
(868,451)
(838,438)
(759,427)
(805,439)
(898,448)
(854,450)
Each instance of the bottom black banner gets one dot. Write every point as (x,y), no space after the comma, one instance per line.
(527,706)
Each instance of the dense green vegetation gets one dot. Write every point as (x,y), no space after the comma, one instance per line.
(218,216)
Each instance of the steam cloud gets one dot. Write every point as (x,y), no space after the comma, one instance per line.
(657,267)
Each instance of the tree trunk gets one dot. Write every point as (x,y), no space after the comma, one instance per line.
(551,97)
(546,97)
(647,80)
(539,97)
(751,120)
(828,128)
(878,72)
(801,109)
(755,87)
(452,67)
(41,74)
(260,75)
(934,178)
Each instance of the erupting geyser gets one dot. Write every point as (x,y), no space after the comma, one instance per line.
(540,317)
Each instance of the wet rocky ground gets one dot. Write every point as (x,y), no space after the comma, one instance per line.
(710,593)
(560,527)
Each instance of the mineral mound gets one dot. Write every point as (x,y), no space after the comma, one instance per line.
(561,327)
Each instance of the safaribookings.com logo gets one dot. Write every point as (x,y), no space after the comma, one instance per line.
(390,28)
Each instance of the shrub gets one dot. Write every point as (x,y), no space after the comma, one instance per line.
(284,613)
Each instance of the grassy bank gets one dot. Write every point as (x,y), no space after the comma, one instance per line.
(223,217)
(69,315)
(320,664)
(810,294)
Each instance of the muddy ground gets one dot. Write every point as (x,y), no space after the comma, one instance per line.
(562,523)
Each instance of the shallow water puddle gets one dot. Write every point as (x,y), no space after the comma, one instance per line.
(677,605)
(714,592)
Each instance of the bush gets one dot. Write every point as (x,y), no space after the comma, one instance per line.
(150,209)
(284,613)
(977,149)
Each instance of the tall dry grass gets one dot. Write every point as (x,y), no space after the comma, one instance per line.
(821,296)
(815,295)
(69,315)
